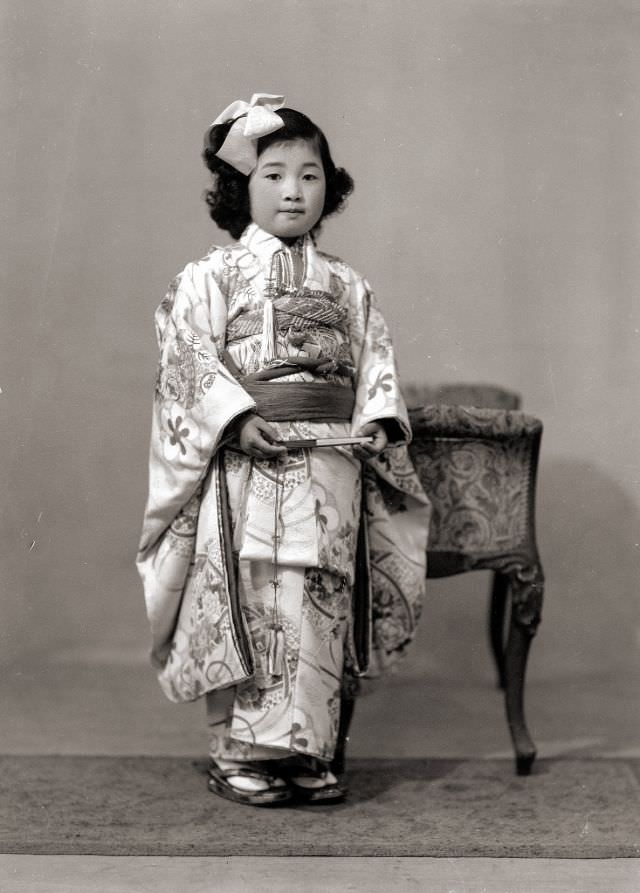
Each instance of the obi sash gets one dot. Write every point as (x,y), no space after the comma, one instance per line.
(292,400)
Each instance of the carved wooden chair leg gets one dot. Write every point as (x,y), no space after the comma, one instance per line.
(497,606)
(526,589)
(516,659)
(350,689)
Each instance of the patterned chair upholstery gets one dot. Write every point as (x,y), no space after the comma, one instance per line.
(478,465)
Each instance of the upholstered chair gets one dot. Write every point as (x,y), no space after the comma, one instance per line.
(477,455)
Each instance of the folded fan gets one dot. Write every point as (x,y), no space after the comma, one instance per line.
(312,442)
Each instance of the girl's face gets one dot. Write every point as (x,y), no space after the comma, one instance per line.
(287,189)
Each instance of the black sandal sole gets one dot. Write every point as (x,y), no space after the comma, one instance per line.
(328,794)
(249,798)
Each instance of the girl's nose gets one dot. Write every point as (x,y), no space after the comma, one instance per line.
(291,189)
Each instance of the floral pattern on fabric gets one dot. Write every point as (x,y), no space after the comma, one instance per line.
(297,712)
(471,513)
(210,609)
(456,421)
(190,374)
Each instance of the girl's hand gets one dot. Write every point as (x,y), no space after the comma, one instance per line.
(375,446)
(256,438)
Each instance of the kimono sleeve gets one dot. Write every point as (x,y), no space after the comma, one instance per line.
(378,396)
(397,508)
(196,398)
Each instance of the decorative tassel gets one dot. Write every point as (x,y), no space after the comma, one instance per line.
(276,643)
(275,650)
(268,348)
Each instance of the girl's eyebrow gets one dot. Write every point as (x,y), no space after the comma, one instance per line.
(282,164)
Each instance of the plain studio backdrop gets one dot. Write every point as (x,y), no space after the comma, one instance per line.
(495,147)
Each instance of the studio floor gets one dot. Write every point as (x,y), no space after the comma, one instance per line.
(112,706)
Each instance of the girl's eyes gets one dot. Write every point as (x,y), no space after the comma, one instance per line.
(275,176)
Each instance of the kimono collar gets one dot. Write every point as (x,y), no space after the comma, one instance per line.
(261,247)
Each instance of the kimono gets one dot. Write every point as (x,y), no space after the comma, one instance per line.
(215,590)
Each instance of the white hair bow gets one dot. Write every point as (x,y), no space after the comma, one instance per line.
(251,121)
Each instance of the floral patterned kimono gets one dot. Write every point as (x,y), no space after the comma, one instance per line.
(207,550)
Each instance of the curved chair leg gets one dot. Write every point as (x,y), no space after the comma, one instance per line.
(497,606)
(526,588)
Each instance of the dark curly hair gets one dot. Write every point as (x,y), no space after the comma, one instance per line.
(229,199)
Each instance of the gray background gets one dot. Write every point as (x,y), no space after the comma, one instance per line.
(494,147)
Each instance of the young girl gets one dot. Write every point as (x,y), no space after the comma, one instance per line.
(276,565)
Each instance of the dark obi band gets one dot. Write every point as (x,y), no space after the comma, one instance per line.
(297,400)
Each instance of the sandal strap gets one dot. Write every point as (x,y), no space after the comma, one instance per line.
(238,771)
